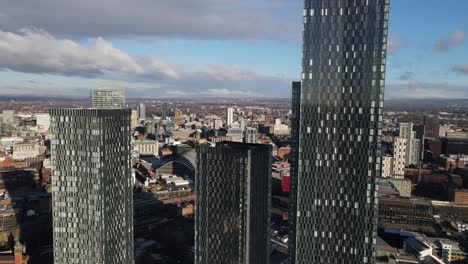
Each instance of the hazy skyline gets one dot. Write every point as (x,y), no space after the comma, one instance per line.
(210,48)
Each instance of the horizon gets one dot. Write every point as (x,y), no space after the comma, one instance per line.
(214,51)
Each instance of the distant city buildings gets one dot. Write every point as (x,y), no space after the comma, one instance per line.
(341,108)
(108,98)
(232,218)
(91,186)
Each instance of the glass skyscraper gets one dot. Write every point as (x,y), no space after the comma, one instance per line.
(338,132)
(233,204)
(91,186)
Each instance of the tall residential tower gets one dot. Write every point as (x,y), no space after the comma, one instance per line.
(232,218)
(338,132)
(91,186)
(229,116)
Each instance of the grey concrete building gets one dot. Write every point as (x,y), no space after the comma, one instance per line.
(108,98)
(91,186)
(233,204)
(339,132)
(250,135)
(141,111)
(8,117)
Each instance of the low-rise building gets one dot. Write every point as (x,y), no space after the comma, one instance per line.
(457,194)
(403,186)
(146,147)
(22,151)
(404,213)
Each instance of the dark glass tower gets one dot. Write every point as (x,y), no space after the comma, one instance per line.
(92,195)
(232,218)
(334,206)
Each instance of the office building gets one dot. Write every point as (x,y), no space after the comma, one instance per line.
(407,214)
(235,134)
(146,147)
(108,98)
(250,135)
(8,117)
(431,127)
(134,119)
(22,151)
(43,122)
(415,152)
(91,186)
(141,111)
(232,219)
(218,123)
(229,116)
(339,157)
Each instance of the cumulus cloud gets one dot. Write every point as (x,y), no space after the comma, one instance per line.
(462,68)
(454,40)
(35,51)
(200,19)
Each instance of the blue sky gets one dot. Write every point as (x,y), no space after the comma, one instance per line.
(211,47)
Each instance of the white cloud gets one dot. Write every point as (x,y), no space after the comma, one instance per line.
(454,40)
(462,68)
(200,19)
(223,73)
(35,51)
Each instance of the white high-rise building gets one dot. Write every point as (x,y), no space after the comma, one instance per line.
(229,116)
(92,194)
(399,156)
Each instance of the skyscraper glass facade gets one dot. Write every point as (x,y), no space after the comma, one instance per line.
(233,203)
(91,186)
(338,132)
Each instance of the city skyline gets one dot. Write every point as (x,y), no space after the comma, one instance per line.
(228,59)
